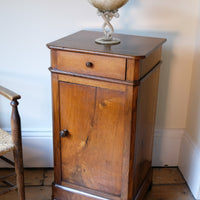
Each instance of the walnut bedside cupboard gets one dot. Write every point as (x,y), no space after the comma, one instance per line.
(104,106)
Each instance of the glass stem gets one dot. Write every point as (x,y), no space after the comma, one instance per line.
(107,26)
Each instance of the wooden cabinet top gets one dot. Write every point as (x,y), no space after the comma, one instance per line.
(130,47)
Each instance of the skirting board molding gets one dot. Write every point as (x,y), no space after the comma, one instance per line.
(166,147)
(189,164)
(37,149)
(172,147)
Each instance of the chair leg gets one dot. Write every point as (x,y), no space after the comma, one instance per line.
(19,174)
(18,156)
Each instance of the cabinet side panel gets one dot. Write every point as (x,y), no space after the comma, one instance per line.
(148,63)
(92,154)
(145,123)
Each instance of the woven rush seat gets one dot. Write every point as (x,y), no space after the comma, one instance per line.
(6,142)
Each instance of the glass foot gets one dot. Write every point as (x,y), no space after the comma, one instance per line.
(105,41)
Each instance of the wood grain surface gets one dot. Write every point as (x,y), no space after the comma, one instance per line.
(104,106)
(9,94)
(110,67)
(168,184)
(92,154)
(130,46)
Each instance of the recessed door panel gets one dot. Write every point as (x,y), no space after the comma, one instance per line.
(91,154)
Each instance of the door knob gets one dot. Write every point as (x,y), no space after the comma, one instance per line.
(64,133)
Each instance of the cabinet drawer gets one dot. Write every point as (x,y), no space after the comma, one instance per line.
(97,65)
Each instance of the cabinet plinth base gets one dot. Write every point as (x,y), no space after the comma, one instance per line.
(66,193)
(146,185)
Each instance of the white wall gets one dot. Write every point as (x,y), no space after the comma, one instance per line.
(193,119)
(177,21)
(26,27)
(189,161)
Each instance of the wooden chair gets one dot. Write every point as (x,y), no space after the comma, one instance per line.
(12,142)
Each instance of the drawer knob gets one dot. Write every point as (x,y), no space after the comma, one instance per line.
(64,133)
(89,64)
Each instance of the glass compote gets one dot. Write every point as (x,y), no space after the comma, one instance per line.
(108,9)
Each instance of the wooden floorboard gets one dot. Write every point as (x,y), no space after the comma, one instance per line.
(32,193)
(168,184)
(167,176)
(169,192)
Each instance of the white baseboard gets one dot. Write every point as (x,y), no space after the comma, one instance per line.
(166,147)
(172,147)
(189,164)
(37,149)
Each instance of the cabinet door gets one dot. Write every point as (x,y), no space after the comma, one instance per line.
(92,153)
